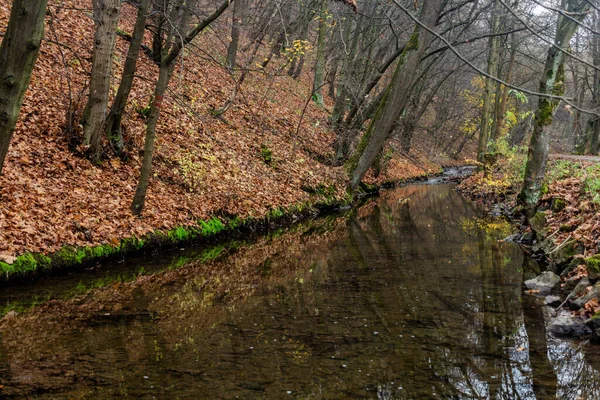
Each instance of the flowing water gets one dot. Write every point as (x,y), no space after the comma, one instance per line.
(411,296)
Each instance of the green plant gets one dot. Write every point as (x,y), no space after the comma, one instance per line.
(591,183)
(192,173)
(266,153)
(211,226)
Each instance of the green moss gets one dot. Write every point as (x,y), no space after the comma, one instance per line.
(593,263)
(558,204)
(211,227)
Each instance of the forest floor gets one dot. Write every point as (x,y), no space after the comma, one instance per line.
(265,154)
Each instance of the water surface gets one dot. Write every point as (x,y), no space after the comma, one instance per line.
(412,296)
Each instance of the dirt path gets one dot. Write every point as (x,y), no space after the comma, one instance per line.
(575,157)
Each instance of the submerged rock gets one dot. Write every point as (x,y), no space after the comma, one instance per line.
(565,324)
(545,282)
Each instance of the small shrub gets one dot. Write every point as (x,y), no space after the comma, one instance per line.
(192,173)
(266,153)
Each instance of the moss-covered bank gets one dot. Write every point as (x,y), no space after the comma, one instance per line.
(324,199)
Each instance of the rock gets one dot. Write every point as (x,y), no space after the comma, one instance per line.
(512,238)
(580,288)
(544,247)
(594,325)
(553,301)
(592,264)
(538,223)
(592,294)
(571,283)
(576,262)
(558,204)
(565,324)
(545,282)
(565,253)
(526,238)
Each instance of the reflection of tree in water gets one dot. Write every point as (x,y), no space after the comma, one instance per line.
(400,302)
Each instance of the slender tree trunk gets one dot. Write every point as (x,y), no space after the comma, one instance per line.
(113,121)
(236,28)
(501,110)
(106,17)
(169,54)
(595,131)
(320,63)
(394,100)
(594,137)
(492,69)
(164,76)
(332,77)
(18,54)
(343,91)
(551,82)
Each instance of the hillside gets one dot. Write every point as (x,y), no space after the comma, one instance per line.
(245,163)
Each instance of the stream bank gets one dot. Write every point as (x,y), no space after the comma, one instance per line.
(563,235)
(323,200)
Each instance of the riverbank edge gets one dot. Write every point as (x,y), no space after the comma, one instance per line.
(556,260)
(30,265)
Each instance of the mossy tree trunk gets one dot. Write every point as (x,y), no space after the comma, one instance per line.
(106,17)
(18,54)
(394,99)
(171,49)
(320,62)
(373,81)
(113,121)
(551,82)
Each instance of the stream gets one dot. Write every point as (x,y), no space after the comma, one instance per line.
(411,296)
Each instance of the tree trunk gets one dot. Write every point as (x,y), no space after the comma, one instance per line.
(552,81)
(164,76)
(106,17)
(320,63)
(372,83)
(594,138)
(113,121)
(343,91)
(492,69)
(394,101)
(501,110)
(236,28)
(596,89)
(169,54)
(18,54)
